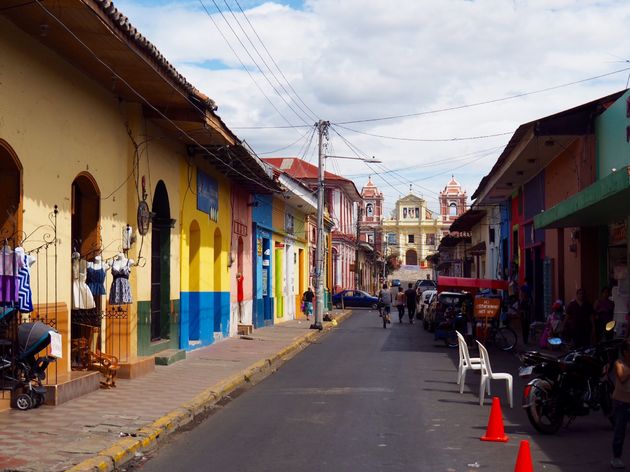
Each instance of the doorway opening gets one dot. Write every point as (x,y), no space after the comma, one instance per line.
(10,194)
(161,225)
(194,285)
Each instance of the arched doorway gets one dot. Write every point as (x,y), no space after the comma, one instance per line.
(86,213)
(10,193)
(194,285)
(411,257)
(86,244)
(161,225)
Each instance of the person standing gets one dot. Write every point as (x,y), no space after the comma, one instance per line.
(307,299)
(410,297)
(604,309)
(621,401)
(400,304)
(579,320)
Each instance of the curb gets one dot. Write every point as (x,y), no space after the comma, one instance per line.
(149,436)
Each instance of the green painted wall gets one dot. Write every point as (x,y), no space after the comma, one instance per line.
(613,149)
(145,346)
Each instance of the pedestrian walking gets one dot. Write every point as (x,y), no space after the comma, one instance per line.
(579,320)
(604,309)
(307,301)
(385,302)
(410,297)
(621,399)
(400,304)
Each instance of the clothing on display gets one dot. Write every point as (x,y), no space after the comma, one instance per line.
(120,291)
(96,280)
(10,264)
(25,294)
(82,298)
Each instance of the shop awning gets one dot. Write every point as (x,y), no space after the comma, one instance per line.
(467,220)
(601,203)
(478,249)
(464,282)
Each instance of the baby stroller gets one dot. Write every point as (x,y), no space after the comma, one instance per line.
(21,371)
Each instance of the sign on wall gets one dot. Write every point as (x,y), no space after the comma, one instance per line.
(207,195)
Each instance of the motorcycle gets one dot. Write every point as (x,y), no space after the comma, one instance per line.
(447,327)
(571,385)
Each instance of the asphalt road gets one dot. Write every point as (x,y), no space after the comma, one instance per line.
(365,398)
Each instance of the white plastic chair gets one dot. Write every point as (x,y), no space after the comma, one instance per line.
(487,375)
(465,362)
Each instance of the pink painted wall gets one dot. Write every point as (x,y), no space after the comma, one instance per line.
(241,215)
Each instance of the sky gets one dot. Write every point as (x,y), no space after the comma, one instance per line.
(276,67)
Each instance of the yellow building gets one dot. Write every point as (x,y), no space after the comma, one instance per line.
(102,145)
(412,232)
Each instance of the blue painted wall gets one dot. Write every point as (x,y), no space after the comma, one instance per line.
(197,319)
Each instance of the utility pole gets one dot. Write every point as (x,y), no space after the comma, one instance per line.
(356,252)
(322,128)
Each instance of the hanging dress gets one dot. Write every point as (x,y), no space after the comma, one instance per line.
(120,291)
(25,294)
(82,298)
(96,281)
(10,265)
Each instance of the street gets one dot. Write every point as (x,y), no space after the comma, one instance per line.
(365,398)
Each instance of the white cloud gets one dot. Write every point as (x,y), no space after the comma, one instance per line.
(360,59)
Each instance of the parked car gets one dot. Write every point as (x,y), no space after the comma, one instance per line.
(425,300)
(355,299)
(425,284)
(438,306)
(395,282)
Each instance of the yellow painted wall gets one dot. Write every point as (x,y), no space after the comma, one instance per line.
(60,123)
(210,280)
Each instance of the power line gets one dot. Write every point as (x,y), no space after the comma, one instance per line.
(144,99)
(486,102)
(439,162)
(274,61)
(301,117)
(311,131)
(245,67)
(426,140)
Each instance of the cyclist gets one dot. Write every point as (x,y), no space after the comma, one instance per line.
(385,302)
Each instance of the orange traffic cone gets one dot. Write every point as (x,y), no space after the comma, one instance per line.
(494,431)
(524,458)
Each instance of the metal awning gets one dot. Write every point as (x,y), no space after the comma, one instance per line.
(601,203)
(467,220)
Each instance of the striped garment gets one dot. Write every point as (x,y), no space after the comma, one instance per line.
(25,295)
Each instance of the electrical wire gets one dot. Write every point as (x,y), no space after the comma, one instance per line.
(274,61)
(144,99)
(273,105)
(311,131)
(297,104)
(287,103)
(486,102)
(426,140)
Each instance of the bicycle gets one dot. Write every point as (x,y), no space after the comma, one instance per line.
(501,335)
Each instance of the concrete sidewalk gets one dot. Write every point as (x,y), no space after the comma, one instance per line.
(104,429)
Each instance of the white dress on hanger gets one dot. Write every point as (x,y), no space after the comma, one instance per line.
(82,298)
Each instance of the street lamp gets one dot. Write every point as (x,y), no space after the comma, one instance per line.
(322,127)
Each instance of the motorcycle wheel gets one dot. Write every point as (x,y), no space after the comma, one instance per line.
(505,339)
(543,413)
(451,339)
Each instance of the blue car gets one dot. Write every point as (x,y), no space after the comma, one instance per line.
(355,299)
